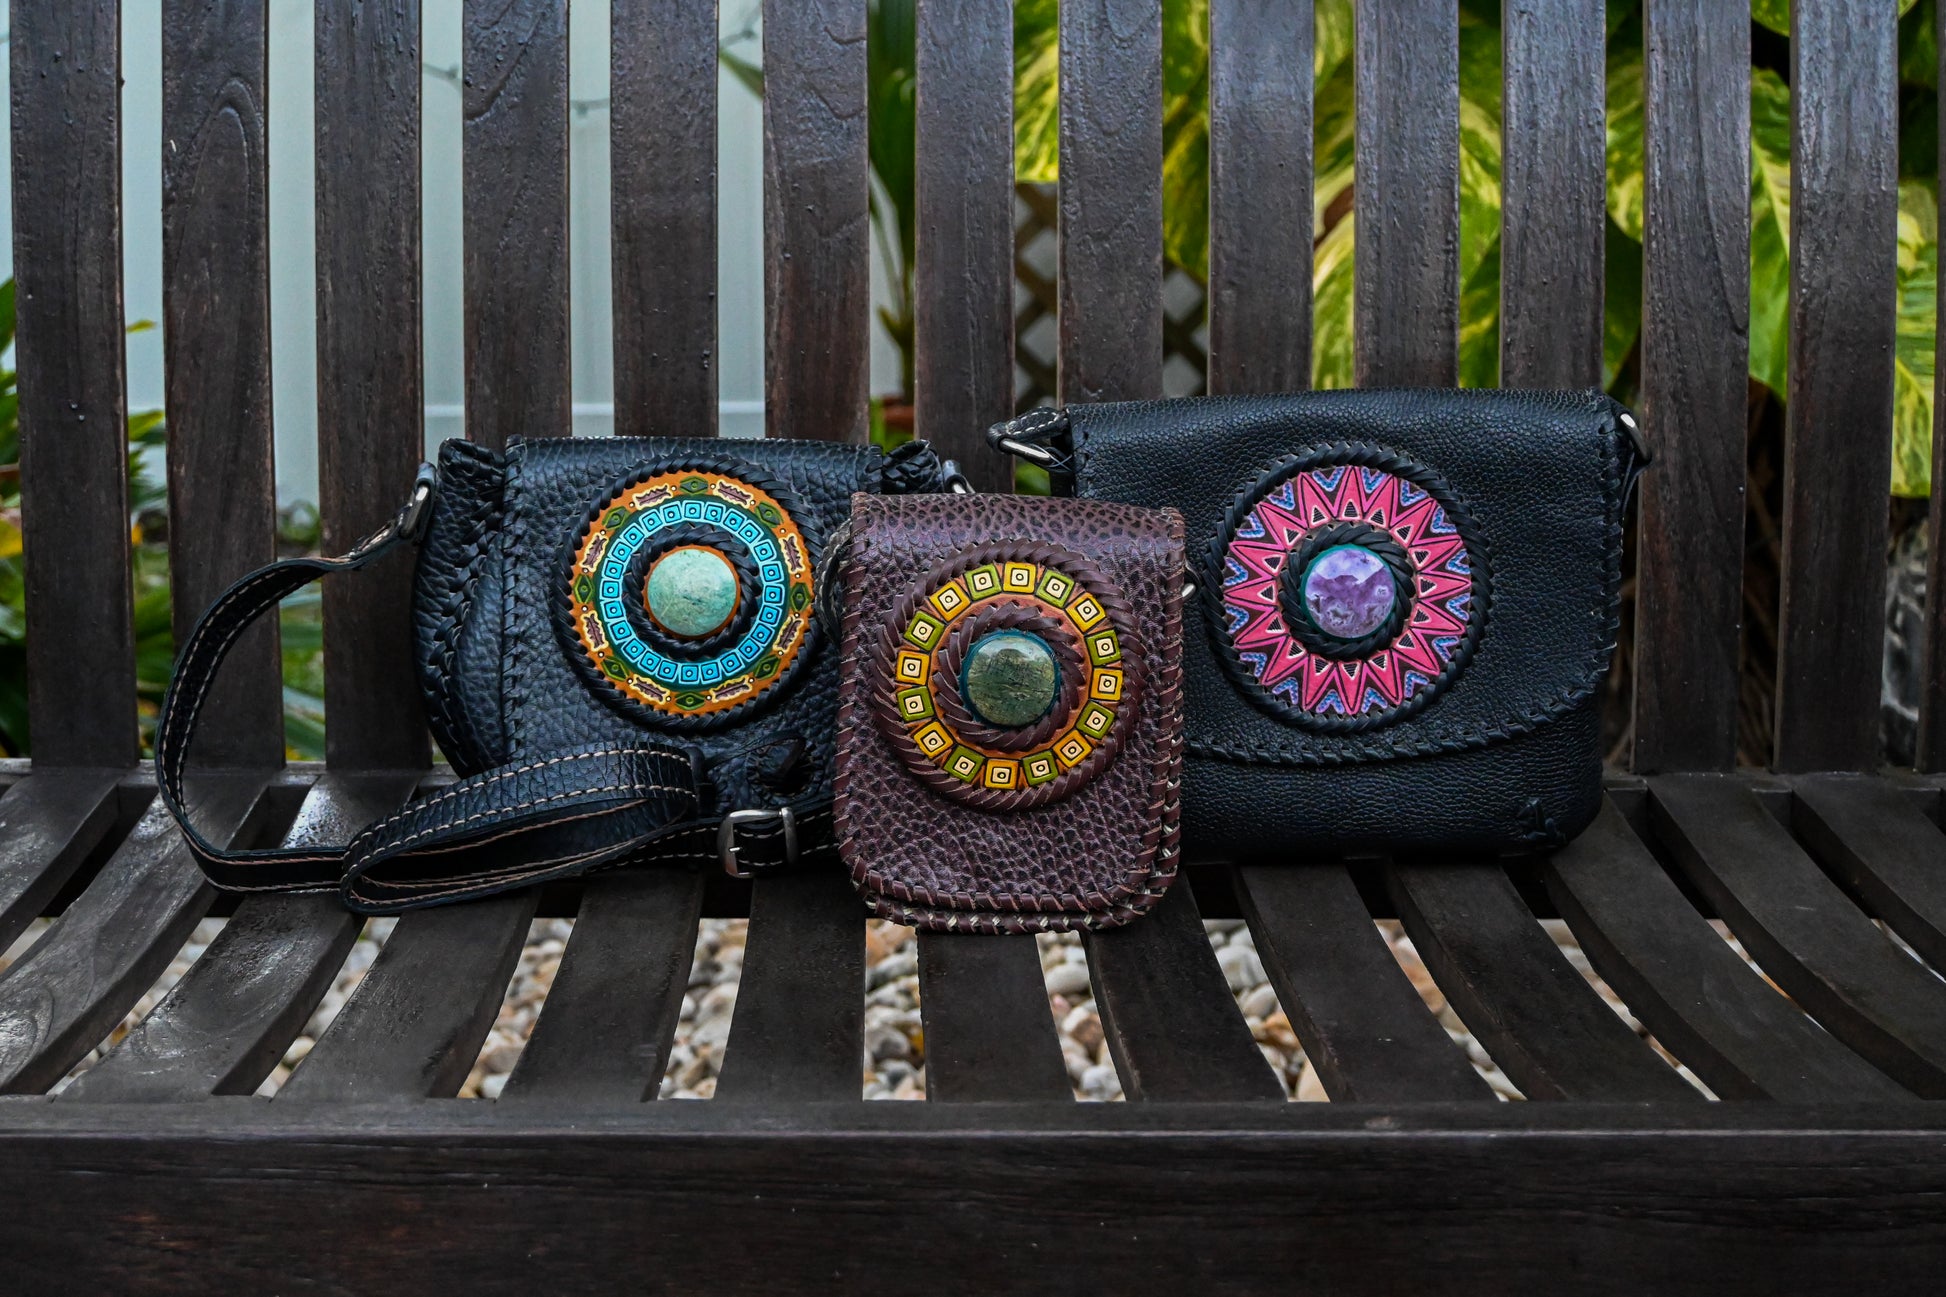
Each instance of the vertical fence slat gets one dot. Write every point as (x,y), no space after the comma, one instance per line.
(67,198)
(515,146)
(1111,200)
(963,273)
(1259,196)
(371,401)
(817,224)
(216,335)
(1554,180)
(1932,699)
(662,168)
(1406,280)
(1695,357)
(1838,435)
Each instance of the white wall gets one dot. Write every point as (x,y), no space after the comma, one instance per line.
(292,233)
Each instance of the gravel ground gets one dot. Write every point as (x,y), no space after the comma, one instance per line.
(894,1065)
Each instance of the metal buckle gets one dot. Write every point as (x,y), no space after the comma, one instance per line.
(726,837)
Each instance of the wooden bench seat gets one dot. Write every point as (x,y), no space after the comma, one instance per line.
(1808,1158)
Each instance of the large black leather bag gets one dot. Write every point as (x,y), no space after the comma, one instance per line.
(619,653)
(1406,603)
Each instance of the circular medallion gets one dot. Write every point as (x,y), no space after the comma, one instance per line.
(1351,587)
(689,593)
(1008,675)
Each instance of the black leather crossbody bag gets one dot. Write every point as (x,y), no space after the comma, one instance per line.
(1406,602)
(619,654)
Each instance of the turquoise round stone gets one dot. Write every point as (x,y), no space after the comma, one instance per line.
(692,591)
(1009,678)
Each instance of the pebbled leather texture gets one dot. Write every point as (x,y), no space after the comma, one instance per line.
(499,688)
(1094,857)
(1507,758)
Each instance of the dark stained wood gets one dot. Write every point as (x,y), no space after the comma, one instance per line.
(1406,289)
(1685,983)
(371,397)
(1259,196)
(515,101)
(78,980)
(412,1028)
(1361,1022)
(216,340)
(1553,180)
(1695,357)
(1872,838)
(49,824)
(1838,438)
(1539,1019)
(68,350)
(963,268)
(1173,1027)
(228,1022)
(989,1034)
(1932,697)
(1468,1199)
(662,182)
(798,1033)
(1799,926)
(817,281)
(1111,200)
(605,1029)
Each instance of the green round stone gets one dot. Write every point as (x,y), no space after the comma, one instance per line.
(692,591)
(1009,678)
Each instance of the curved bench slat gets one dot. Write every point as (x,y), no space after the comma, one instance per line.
(605,1029)
(1538,1017)
(989,1034)
(225,1025)
(1687,986)
(79,980)
(1362,1024)
(1803,930)
(798,1033)
(1882,847)
(49,823)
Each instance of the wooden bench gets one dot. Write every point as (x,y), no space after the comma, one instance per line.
(156,1171)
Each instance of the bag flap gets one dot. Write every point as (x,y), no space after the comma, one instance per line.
(1380,573)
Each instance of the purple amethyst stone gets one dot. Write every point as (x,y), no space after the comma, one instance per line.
(1349,592)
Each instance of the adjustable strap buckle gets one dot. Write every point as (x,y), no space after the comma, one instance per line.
(732,855)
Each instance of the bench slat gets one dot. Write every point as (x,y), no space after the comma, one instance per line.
(1173,1027)
(1879,845)
(371,397)
(1361,1022)
(1687,986)
(1838,430)
(515,142)
(1260,61)
(1110,294)
(1539,1019)
(412,1029)
(1554,180)
(1695,357)
(78,981)
(817,225)
(225,1025)
(798,1033)
(1803,930)
(963,268)
(1406,290)
(1932,653)
(67,178)
(989,1034)
(604,1033)
(216,340)
(662,185)
(49,823)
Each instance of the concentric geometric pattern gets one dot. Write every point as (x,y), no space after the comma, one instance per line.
(698,677)
(1352,587)
(1037,594)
